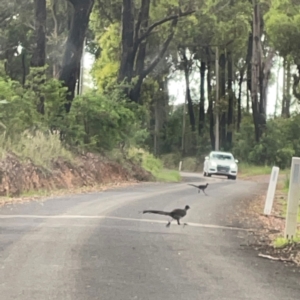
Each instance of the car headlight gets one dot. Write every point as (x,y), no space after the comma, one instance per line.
(213,163)
(233,166)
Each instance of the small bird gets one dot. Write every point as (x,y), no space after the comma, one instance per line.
(175,214)
(200,187)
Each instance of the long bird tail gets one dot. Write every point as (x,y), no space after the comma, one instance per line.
(193,185)
(158,212)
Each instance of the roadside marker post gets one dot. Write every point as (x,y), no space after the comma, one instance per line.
(180,165)
(293,200)
(271,191)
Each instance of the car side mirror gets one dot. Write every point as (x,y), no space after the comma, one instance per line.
(206,158)
(236,161)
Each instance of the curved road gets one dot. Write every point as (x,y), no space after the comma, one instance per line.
(98,246)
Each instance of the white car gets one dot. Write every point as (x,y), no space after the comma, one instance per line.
(220,163)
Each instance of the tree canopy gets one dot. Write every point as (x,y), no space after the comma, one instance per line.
(222,52)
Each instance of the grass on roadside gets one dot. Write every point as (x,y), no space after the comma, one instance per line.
(167,175)
(189,164)
(281,242)
(154,165)
(246,170)
(41,148)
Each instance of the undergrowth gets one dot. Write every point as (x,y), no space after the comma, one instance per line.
(189,164)
(39,147)
(252,170)
(281,242)
(154,165)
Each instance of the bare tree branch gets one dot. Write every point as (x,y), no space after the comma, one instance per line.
(161,53)
(162,21)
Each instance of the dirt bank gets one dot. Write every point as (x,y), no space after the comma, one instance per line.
(88,170)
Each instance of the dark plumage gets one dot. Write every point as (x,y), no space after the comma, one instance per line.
(175,214)
(200,187)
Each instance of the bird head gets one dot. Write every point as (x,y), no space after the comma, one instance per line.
(187,207)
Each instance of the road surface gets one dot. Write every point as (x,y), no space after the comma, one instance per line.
(98,246)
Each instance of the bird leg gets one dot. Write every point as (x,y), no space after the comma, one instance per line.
(185,224)
(178,222)
(169,223)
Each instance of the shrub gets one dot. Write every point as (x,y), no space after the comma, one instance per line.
(98,122)
(40,147)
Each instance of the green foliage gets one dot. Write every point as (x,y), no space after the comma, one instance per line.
(246,169)
(20,113)
(106,67)
(286,183)
(277,146)
(42,148)
(153,165)
(168,176)
(282,23)
(281,242)
(98,121)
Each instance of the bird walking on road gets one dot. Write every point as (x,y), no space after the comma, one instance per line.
(175,214)
(200,187)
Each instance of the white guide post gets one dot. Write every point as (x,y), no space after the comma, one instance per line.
(293,200)
(180,165)
(271,191)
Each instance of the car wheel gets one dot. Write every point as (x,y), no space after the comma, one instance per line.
(204,174)
(208,175)
(233,177)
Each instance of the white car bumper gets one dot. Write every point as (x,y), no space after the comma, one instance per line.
(222,170)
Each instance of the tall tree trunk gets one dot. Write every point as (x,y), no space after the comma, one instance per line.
(249,61)
(296,80)
(277,88)
(239,102)
(222,63)
(72,55)
(141,27)
(38,58)
(24,73)
(134,93)
(128,53)
(288,89)
(134,42)
(202,98)
(255,70)
(160,103)
(55,67)
(230,100)
(283,104)
(210,110)
(261,68)
(248,101)
(189,98)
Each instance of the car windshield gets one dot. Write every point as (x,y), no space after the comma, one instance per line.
(222,156)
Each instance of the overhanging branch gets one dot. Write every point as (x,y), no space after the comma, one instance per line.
(162,21)
(161,53)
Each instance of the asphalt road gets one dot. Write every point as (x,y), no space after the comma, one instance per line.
(98,246)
